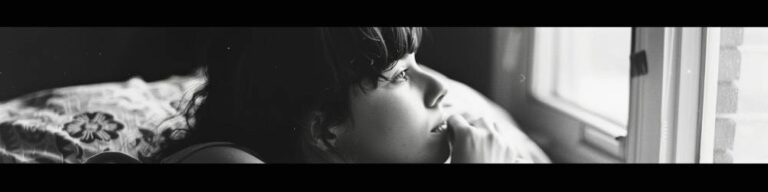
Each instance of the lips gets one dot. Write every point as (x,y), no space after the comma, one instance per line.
(440,128)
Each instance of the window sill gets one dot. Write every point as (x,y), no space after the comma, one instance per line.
(596,131)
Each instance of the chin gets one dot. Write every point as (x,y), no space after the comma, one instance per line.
(442,153)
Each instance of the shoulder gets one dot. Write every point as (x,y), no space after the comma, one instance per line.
(214,152)
(221,154)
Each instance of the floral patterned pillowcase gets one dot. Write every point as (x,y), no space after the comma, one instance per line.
(72,124)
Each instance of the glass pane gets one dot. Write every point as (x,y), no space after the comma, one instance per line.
(592,70)
(741,129)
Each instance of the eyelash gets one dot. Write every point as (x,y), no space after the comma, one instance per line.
(401,75)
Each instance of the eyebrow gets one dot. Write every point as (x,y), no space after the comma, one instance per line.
(392,68)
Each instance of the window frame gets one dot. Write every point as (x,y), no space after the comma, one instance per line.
(709,96)
(670,104)
(567,138)
(597,131)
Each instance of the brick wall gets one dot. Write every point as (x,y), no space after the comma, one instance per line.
(727,93)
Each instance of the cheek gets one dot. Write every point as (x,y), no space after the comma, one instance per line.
(389,114)
(390,127)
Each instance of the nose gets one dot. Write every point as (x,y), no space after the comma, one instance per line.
(435,90)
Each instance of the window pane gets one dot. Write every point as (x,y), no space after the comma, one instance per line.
(741,129)
(592,70)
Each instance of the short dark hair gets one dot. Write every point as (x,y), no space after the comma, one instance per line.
(265,98)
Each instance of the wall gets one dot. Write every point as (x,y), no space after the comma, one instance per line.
(33,59)
(742,108)
(463,54)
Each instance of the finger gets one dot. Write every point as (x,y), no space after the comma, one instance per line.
(483,123)
(458,125)
(470,117)
(496,127)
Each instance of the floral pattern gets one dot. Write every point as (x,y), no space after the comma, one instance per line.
(93,126)
(73,124)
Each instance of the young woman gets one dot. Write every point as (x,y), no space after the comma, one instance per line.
(335,95)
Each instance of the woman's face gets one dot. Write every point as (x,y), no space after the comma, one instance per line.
(395,121)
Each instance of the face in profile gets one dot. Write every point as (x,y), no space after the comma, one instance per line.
(398,121)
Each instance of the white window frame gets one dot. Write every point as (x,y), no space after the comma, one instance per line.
(709,96)
(676,97)
(597,131)
(672,107)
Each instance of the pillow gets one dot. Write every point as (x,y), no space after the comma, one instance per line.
(72,124)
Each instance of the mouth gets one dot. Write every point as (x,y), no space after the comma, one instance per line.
(442,127)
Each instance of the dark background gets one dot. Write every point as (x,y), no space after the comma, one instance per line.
(33,59)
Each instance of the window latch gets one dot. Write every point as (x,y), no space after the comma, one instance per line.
(638,64)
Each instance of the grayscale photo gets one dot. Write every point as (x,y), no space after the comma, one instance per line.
(383,95)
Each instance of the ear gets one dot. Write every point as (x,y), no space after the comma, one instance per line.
(326,138)
(323,140)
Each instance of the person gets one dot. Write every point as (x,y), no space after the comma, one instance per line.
(333,95)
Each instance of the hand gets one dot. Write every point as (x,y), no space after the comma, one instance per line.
(478,141)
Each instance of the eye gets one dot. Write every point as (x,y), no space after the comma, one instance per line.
(402,76)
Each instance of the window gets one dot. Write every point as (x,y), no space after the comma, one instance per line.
(589,69)
(592,70)
(584,72)
(703,99)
